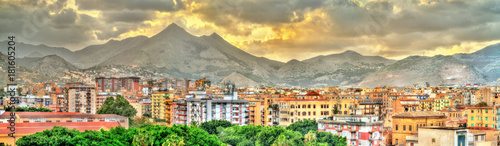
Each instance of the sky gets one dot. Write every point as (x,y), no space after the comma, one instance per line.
(276,29)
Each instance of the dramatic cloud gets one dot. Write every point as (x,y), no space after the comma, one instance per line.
(277,29)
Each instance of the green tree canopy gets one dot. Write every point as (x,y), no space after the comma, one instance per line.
(119,106)
(27,109)
(481,104)
(211,126)
(303,126)
(141,135)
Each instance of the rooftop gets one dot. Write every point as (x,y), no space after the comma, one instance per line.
(444,128)
(29,128)
(43,113)
(419,114)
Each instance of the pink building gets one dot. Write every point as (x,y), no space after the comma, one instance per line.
(359,130)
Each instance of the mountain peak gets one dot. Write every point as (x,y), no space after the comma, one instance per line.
(350,52)
(173,29)
(215,36)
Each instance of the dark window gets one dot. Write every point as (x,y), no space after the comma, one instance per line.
(396,127)
(404,127)
(314,106)
(409,128)
(308,106)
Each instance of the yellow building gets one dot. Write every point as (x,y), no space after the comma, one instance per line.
(442,103)
(484,116)
(255,110)
(345,106)
(158,104)
(407,124)
(427,105)
(292,110)
(168,111)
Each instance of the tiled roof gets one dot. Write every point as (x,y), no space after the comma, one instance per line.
(66,116)
(419,114)
(43,113)
(482,128)
(302,100)
(29,128)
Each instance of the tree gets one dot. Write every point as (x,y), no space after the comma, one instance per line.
(140,135)
(194,123)
(119,106)
(310,139)
(303,126)
(54,136)
(211,126)
(282,141)
(146,114)
(144,138)
(330,139)
(27,109)
(482,104)
(335,110)
(173,140)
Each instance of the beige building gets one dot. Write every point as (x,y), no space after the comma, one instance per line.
(408,123)
(82,99)
(442,136)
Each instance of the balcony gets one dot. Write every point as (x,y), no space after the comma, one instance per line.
(371,139)
(352,130)
(339,129)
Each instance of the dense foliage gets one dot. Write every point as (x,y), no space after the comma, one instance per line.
(141,135)
(251,135)
(26,109)
(303,126)
(118,106)
(211,126)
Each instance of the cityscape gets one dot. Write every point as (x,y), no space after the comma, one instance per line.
(250,72)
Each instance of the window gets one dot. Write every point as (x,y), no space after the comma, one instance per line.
(471,111)
(396,127)
(482,137)
(303,106)
(486,120)
(314,106)
(409,127)
(298,113)
(486,125)
(471,125)
(308,113)
(486,111)
(404,127)
(314,113)
(303,113)
(308,106)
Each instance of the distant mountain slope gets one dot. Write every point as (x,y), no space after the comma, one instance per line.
(96,54)
(174,52)
(28,50)
(178,52)
(240,80)
(51,65)
(485,60)
(22,74)
(344,69)
(437,70)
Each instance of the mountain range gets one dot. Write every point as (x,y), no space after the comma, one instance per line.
(174,52)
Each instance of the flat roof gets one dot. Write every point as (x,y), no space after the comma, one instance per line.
(444,128)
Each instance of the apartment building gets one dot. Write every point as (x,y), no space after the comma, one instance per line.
(230,108)
(407,124)
(158,104)
(81,98)
(482,116)
(292,110)
(362,130)
(117,84)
